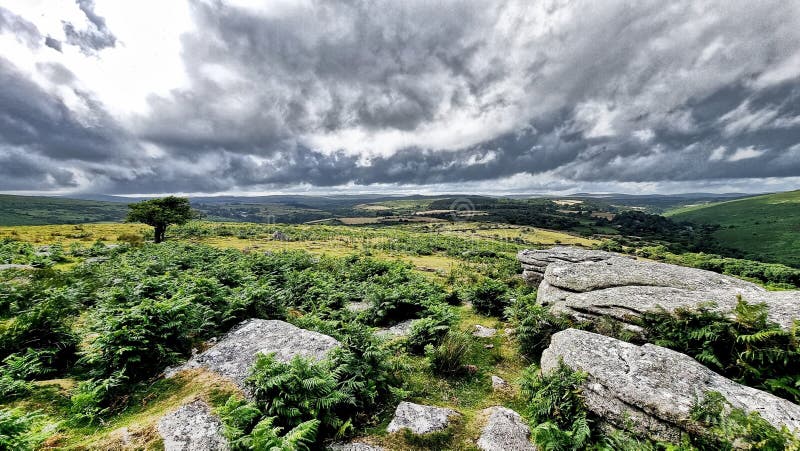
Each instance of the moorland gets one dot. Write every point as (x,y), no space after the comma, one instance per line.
(93,313)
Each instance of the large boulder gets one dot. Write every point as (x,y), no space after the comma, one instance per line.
(623,288)
(652,388)
(236,352)
(505,430)
(192,428)
(420,419)
(535,261)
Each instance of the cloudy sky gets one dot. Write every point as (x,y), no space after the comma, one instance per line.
(144,97)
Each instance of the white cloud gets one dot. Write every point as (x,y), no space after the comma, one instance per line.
(745,153)
(717,154)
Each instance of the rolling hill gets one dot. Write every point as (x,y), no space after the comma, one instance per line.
(764,228)
(40,210)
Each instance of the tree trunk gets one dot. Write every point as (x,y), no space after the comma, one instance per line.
(158,236)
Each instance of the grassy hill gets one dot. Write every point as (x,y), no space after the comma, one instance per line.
(763,227)
(38,210)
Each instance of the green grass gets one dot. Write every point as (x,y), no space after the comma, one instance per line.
(764,228)
(33,210)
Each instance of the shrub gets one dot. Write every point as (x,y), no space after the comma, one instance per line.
(489,297)
(141,340)
(555,397)
(11,387)
(94,398)
(555,403)
(447,359)
(29,364)
(747,348)
(534,325)
(262,300)
(45,326)
(265,436)
(729,428)
(299,391)
(365,369)
(432,329)
(247,428)
(16,430)
(398,296)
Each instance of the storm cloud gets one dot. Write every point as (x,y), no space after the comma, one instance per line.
(544,96)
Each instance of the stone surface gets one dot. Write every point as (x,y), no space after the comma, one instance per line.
(535,261)
(3,267)
(652,387)
(505,430)
(498,383)
(420,419)
(235,353)
(354,446)
(356,307)
(622,271)
(483,332)
(400,329)
(622,288)
(192,428)
(280,236)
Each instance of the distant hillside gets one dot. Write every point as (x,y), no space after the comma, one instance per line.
(36,210)
(763,227)
(658,203)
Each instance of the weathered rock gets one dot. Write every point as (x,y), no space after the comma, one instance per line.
(483,332)
(505,430)
(235,353)
(623,288)
(498,383)
(354,446)
(651,387)
(356,307)
(400,329)
(192,428)
(621,271)
(535,261)
(15,266)
(420,419)
(43,251)
(280,236)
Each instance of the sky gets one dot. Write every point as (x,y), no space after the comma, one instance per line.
(348,96)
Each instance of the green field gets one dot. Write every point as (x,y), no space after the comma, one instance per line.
(764,228)
(36,210)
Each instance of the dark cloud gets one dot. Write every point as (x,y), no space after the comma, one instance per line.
(21,171)
(33,118)
(54,44)
(577,93)
(96,37)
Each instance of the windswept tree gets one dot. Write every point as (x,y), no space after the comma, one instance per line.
(160,213)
